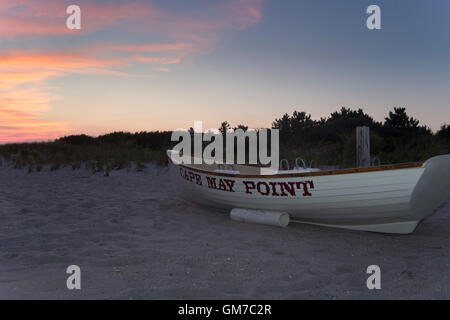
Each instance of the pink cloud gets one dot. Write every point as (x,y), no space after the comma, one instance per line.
(23,96)
(161,69)
(19,106)
(17,126)
(21,18)
(151,47)
(156,60)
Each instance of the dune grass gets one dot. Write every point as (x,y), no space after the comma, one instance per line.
(102,157)
(107,156)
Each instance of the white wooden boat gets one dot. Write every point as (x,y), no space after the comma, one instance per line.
(390,199)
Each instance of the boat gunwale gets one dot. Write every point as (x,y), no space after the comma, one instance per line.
(388,167)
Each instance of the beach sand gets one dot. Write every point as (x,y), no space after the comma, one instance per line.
(134,239)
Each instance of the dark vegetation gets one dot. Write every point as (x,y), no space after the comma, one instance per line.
(108,152)
(327,141)
(330,141)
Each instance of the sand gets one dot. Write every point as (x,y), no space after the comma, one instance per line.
(134,239)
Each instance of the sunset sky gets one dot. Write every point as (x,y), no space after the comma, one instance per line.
(159,65)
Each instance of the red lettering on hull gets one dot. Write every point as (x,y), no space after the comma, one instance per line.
(275,189)
(278,189)
(221,184)
(191,176)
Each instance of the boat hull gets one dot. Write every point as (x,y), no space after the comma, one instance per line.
(392,201)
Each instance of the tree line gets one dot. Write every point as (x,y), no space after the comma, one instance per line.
(325,141)
(332,140)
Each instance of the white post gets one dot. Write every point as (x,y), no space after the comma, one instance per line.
(362,147)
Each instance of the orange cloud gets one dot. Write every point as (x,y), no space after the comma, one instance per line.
(17,126)
(18,105)
(23,96)
(26,100)
(11,79)
(18,121)
(20,66)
